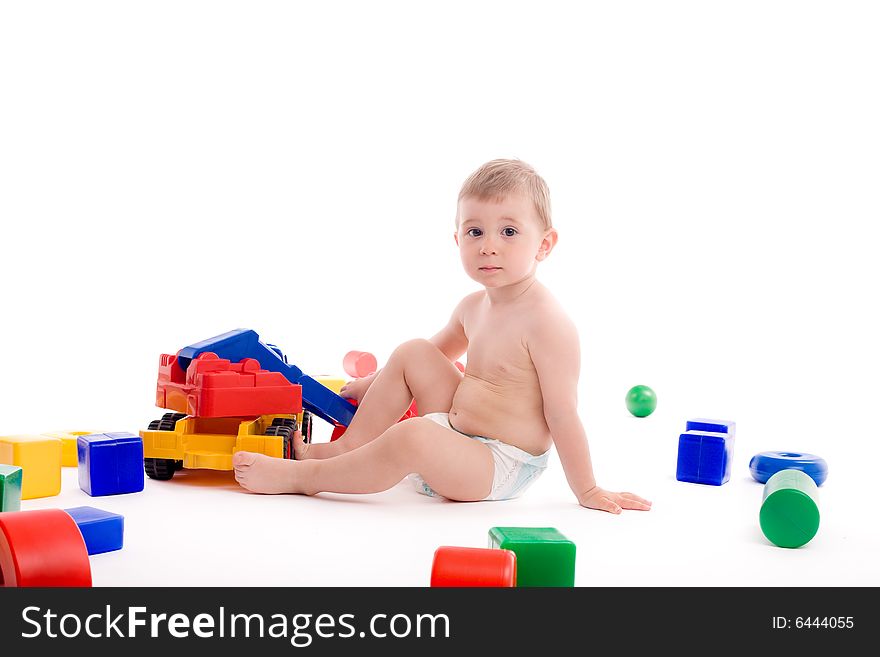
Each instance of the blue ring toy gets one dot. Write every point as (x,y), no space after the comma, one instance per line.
(766,464)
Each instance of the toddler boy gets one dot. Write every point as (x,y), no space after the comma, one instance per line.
(484,434)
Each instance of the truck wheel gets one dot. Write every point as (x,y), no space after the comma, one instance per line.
(286,432)
(167,423)
(161,469)
(307,427)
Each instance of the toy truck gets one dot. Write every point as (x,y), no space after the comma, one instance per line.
(218,408)
(239,344)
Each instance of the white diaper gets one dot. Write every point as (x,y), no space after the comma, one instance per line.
(515,469)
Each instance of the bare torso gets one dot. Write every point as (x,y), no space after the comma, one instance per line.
(500,396)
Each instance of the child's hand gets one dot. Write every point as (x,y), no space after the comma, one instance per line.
(603,500)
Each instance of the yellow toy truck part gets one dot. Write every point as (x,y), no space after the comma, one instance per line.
(178,441)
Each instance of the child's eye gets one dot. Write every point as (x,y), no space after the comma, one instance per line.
(509,232)
(474,232)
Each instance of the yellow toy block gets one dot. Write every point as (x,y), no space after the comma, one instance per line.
(68,445)
(39,458)
(333,382)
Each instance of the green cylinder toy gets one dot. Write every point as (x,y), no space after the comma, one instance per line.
(790,509)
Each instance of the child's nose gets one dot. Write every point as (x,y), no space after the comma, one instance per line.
(488,248)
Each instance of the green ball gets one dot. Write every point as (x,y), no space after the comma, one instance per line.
(641,401)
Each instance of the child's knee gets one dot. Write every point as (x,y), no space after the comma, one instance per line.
(409,437)
(416,348)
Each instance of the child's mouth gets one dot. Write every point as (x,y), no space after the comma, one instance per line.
(489,268)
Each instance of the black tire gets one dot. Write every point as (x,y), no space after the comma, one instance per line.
(307,427)
(169,420)
(166,423)
(286,432)
(161,469)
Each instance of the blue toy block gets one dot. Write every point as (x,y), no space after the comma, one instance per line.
(110,463)
(235,345)
(714,426)
(101,530)
(704,457)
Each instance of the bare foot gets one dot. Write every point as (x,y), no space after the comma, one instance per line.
(263,474)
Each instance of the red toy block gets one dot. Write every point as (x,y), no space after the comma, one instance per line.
(217,387)
(43,547)
(483,567)
(359,364)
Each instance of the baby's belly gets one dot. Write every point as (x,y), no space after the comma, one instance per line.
(511,413)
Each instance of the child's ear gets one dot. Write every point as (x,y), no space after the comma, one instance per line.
(455,235)
(547,244)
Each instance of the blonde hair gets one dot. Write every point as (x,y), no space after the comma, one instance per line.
(498,179)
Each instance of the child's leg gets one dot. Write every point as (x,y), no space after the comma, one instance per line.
(455,466)
(416,369)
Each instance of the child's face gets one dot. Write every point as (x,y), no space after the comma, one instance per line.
(502,242)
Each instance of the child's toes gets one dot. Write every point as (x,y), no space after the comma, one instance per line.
(299,445)
(243,459)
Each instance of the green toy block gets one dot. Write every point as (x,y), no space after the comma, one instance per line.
(544,557)
(10,487)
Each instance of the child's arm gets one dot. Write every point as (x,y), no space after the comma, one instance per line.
(555,351)
(451,339)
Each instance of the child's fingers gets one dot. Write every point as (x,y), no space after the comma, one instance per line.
(607,504)
(632,501)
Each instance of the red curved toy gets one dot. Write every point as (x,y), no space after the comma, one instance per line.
(43,547)
(463,566)
(359,364)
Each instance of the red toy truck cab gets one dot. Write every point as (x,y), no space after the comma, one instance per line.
(217,387)
(221,408)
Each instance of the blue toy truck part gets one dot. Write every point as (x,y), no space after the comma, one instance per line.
(110,463)
(239,344)
(704,457)
(235,345)
(101,530)
(714,426)
(766,464)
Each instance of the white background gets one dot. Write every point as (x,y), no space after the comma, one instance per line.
(172,170)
